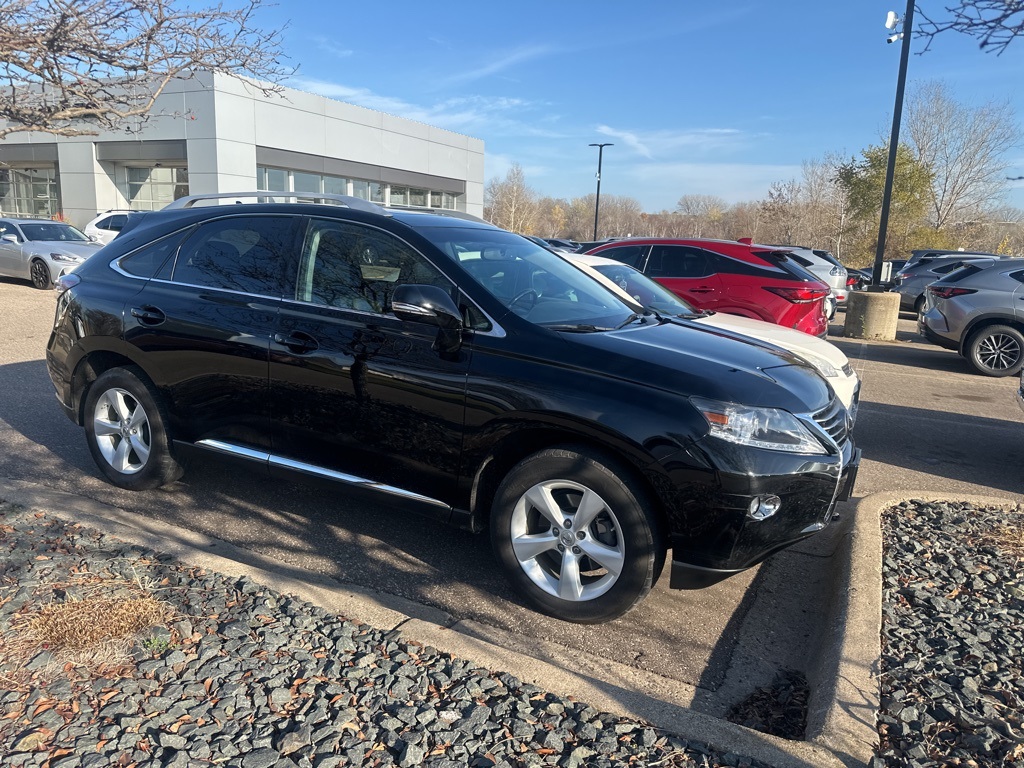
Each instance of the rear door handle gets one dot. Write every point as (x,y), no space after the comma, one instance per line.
(148,315)
(702,289)
(298,342)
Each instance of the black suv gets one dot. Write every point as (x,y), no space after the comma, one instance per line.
(456,368)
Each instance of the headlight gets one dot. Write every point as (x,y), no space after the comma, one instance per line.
(66,258)
(820,364)
(770,428)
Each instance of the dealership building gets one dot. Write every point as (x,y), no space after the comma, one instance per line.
(219,134)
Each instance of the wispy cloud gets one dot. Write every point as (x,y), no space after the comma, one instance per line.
(329,46)
(495,115)
(662,145)
(497,65)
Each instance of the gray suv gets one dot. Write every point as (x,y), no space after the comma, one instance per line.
(914,278)
(979,312)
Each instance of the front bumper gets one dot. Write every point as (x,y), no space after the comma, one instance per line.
(715,537)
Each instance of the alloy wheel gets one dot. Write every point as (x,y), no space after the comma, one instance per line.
(567,540)
(122,430)
(40,275)
(999,351)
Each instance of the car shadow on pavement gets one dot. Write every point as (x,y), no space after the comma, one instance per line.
(683,635)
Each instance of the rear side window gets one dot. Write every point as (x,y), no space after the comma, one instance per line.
(1018,276)
(245,253)
(146,261)
(633,255)
(964,270)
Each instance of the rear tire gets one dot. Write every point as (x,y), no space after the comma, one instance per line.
(996,350)
(919,306)
(125,427)
(576,535)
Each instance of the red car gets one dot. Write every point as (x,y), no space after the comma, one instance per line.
(728,276)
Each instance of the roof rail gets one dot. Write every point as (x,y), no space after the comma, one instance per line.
(438,212)
(355,203)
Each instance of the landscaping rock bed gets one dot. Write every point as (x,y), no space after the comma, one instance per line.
(952,636)
(236,674)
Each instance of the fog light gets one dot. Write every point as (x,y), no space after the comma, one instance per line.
(763,507)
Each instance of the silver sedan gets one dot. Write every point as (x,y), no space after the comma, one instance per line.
(41,250)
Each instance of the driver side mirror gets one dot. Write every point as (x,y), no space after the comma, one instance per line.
(431,305)
(9,238)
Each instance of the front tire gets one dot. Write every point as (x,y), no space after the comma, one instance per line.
(40,275)
(576,535)
(125,427)
(997,350)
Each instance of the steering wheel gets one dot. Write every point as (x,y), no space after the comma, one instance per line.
(523,295)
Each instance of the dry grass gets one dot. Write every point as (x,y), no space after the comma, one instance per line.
(80,624)
(1009,539)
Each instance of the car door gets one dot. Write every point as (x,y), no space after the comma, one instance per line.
(1018,294)
(688,272)
(203,325)
(12,262)
(356,393)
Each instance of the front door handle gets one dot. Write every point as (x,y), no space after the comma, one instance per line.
(148,315)
(298,342)
(702,289)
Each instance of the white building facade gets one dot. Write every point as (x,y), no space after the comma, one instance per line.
(219,134)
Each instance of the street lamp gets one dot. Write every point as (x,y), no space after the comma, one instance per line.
(597,202)
(892,20)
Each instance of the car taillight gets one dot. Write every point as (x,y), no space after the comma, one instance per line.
(64,282)
(851,281)
(948,291)
(799,295)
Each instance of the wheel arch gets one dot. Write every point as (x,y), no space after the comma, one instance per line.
(526,440)
(91,367)
(980,323)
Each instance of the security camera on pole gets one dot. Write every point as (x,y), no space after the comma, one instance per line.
(873,314)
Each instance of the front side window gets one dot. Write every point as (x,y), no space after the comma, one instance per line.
(633,255)
(350,266)
(244,253)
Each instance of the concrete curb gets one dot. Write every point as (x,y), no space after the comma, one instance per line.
(607,686)
(845,690)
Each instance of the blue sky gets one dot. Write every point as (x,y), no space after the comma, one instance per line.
(717,98)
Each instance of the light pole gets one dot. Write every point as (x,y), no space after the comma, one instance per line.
(894,138)
(597,201)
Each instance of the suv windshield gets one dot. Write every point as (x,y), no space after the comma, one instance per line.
(45,230)
(531,281)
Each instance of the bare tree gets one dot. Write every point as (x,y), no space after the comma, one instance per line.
(964,147)
(994,23)
(509,203)
(702,214)
(75,67)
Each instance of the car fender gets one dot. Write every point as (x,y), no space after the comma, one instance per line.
(989,318)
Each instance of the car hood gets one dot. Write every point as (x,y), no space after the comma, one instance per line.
(84,250)
(704,361)
(795,341)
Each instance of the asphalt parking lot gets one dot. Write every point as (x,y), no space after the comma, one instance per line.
(926,424)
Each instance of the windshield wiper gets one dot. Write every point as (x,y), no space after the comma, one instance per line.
(578,328)
(631,319)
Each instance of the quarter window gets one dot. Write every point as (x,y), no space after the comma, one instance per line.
(146,261)
(246,254)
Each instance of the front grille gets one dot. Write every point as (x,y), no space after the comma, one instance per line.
(832,419)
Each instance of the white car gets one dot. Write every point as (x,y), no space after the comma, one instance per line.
(645,294)
(106,226)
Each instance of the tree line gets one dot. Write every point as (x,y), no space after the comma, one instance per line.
(949,186)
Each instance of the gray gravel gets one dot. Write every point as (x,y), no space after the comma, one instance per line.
(244,676)
(952,637)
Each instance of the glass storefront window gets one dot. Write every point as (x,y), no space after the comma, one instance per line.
(335,185)
(150,189)
(274,179)
(29,192)
(418,197)
(399,195)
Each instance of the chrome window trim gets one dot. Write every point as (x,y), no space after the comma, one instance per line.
(220,446)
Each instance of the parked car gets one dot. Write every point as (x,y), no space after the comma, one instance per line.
(858,279)
(106,225)
(565,245)
(41,250)
(455,368)
(927,254)
(913,280)
(728,276)
(822,265)
(547,244)
(649,296)
(978,310)
(1020,392)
